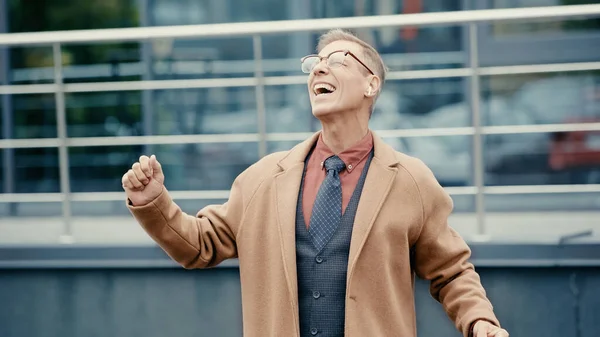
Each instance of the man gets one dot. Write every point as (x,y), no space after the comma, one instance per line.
(330,234)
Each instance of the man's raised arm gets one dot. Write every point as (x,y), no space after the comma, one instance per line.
(198,241)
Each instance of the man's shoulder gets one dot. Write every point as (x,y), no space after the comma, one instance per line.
(265,167)
(416,168)
(423,178)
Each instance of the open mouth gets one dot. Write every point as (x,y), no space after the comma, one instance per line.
(323,89)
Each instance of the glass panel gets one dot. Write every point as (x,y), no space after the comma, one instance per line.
(211,166)
(541,98)
(102,62)
(31,65)
(288,109)
(352,8)
(81,62)
(449,157)
(35,170)
(160,59)
(104,114)
(170,112)
(282,52)
(33,116)
(61,15)
(426,103)
(542,158)
(542,27)
(420,48)
(405,104)
(276,146)
(544,202)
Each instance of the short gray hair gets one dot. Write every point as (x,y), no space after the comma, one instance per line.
(373,59)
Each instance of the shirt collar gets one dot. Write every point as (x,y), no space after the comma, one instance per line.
(351,156)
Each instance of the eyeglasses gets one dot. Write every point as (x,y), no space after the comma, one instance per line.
(334,59)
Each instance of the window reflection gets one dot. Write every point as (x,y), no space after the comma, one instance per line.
(505,29)
(169,112)
(449,157)
(211,166)
(33,116)
(542,158)
(541,98)
(35,170)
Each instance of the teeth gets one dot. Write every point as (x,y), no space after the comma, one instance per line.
(325,86)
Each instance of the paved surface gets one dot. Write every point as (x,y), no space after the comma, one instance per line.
(530,227)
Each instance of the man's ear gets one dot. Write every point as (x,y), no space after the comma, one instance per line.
(373,86)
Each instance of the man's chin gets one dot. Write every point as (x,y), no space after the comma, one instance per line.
(322,111)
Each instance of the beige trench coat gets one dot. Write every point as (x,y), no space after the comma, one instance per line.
(400,230)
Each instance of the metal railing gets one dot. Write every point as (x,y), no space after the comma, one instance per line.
(259,81)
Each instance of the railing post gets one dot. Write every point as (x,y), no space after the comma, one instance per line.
(147,75)
(63,154)
(8,155)
(261,112)
(478,164)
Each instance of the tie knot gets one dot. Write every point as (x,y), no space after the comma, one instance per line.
(334,163)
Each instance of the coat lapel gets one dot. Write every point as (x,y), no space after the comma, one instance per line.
(378,183)
(288,186)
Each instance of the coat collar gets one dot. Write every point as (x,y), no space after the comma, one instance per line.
(378,183)
(384,153)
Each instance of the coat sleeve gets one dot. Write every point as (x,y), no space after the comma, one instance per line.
(441,256)
(200,241)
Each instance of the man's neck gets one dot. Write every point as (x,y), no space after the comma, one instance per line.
(343,134)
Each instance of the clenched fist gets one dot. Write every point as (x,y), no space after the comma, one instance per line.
(144,181)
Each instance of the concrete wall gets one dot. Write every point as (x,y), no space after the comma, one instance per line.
(131,300)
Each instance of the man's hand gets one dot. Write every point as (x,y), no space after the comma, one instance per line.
(144,181)
(486,329)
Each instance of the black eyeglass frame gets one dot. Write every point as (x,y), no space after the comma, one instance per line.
(346,53)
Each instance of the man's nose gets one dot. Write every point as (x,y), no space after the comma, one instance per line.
(321,68)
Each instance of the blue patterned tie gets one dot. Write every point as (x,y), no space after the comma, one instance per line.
(327,210)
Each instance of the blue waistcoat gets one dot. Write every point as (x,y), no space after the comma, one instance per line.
(322,274)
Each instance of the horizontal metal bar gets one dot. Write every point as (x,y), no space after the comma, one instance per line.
(284,80)
(224,194)
(542,189)
(166,139)
(427,132)
(31,197)
(431,73)
(29,143)
(27,89)
(287,80)
(540,68)
(161,84)
(461,190)
(272,27)
(178,195)
(291,136)
(540,128)
(229,67)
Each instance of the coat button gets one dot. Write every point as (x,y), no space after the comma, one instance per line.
(316,294)
(313,331)
(319,259)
